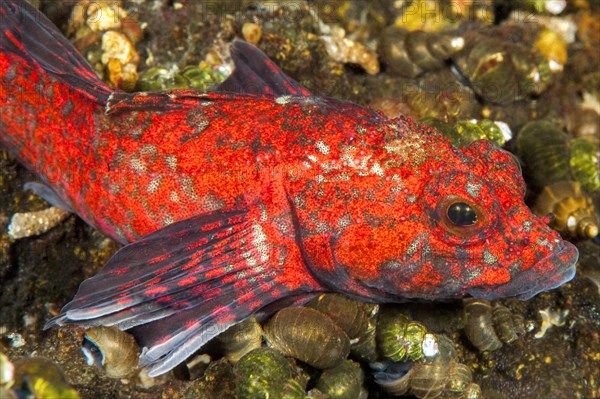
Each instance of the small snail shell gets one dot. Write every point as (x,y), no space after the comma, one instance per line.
(489,327)
(410,53)
(344,381)
(190,77)
(472,391)
(365,346)
(459,376)
(241,339)
(399,338)
(441,95)
(574,211)
(543,147)
(504,324)
(463,132)
(551,156)
(252,32)
(428,380)
(112,350)
(583,124)
(350,315)
(585,163)
(307,335)
(155,79)
(394,378)
(479,325)
(487,65)
(265,373)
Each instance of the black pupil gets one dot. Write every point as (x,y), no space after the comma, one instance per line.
(461,214)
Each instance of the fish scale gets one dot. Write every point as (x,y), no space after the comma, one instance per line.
(258,195)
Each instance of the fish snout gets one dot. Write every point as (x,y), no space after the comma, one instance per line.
(550,272)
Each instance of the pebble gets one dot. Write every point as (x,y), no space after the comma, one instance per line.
(35,223)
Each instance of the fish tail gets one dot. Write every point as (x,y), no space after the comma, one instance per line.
(30,42)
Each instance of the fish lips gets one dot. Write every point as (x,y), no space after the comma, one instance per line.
(549,273)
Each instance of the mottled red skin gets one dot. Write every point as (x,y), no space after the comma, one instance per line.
(334,196)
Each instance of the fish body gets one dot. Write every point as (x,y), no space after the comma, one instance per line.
(259,195)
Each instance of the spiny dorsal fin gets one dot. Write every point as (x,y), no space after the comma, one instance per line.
(255,73)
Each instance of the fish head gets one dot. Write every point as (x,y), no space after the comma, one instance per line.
(463,230)
(478,237)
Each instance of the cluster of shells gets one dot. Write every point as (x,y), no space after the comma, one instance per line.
(105,33)
(334,347)
(319,349)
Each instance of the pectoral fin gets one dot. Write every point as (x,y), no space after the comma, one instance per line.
(177,288)
(42,190)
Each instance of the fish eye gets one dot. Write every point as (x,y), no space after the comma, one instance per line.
(461,214)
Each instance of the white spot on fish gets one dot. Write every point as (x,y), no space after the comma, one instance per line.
(345,221)
(260,242)
(171,161)
(322,147)
(168,220)
(543,242)
(488,258)
(414,246)
(376,169)
(250,260)
(473,189)
(240,275)
(283,100)
(148,149)
(187,185)
(154,185)
(137,165)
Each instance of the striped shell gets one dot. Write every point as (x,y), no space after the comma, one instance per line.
(113,350)
(575,215)
(307,335)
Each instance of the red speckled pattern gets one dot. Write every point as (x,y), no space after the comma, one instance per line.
(236,201)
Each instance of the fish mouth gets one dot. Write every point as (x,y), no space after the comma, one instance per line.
(547,274)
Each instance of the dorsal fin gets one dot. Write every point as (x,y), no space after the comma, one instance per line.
(255,73)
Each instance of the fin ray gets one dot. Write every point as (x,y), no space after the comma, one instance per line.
(48,194)
(173,255)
